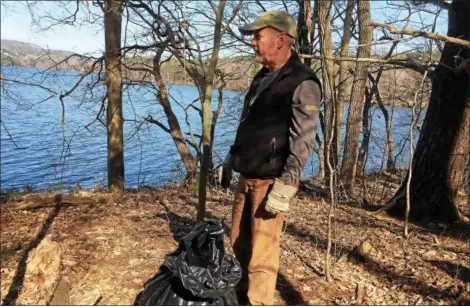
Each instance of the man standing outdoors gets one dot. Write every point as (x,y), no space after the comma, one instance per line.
(274,139)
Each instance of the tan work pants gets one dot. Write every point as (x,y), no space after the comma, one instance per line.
(255,239)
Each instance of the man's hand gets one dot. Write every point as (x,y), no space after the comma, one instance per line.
(227,171)
(279,197)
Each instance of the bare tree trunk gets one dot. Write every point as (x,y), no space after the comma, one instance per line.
(112,27)
(190,163)
(321,159)
(388,122)
(388,129)
(206,112)
(365,134)
(410,168)
(348,170)
(344,77)
(442,153)
(304,29)
(324,25)
(314,20)
(215,117)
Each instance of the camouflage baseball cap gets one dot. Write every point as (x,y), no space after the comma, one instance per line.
(279,20)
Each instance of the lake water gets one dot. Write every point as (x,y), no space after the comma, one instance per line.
(39,161)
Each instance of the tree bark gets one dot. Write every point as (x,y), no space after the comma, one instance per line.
(388,129)
(190,163)
(356,104)
(324,25)
(344,76)
(304,29)
(442,153)
(414,33)
(321,159)
(215,117)
(365,133)
(206,112)
(112,26)
(388,124)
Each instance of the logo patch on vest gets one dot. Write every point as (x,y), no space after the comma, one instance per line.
(311,107)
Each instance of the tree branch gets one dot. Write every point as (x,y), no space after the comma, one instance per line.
(414,33)
(441,3)
(83,76)
(98,116)
(11,137)
(234,13)
(156,122)
(408,63)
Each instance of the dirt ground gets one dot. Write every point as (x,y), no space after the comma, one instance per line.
(112,246)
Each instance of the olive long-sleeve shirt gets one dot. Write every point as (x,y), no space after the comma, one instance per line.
(303,129)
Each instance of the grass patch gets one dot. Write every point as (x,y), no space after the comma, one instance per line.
(124,238)
(194,187)
(144,255)
(13,195)
(7,252)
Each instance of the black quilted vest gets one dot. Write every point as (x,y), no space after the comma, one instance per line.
(262,143)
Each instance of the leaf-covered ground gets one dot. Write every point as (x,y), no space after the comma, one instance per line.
(112,246)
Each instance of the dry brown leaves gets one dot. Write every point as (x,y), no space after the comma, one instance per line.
(109,249)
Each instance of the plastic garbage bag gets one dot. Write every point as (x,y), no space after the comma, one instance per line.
(198,273)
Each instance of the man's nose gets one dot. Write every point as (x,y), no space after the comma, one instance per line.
(253,42)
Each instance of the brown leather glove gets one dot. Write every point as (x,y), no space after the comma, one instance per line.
(280,196)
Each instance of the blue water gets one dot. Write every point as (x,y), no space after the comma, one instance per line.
(40,160)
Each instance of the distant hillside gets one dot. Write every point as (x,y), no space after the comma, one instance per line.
(397,86)
(238,72)
(14,52)
(22,48)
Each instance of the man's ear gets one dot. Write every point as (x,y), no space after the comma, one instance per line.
(281,41)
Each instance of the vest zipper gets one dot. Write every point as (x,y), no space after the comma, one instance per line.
(273,149)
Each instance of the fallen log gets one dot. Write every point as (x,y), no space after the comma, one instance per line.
(38,200)
(42,274)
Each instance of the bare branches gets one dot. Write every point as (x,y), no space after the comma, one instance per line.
(234,14)
(410,165)
(63,15)
(384,41)
(10,136)
(31,84)
(442,3)
(408,63)
(156,45)
(258,2)
(414,33)
(285,5)
(100,112)
(150,119)
(83,76)
(193,142)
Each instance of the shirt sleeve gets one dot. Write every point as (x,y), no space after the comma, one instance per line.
(303,129)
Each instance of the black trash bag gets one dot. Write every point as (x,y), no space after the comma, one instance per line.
(198,273)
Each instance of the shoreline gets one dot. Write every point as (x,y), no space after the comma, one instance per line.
(228,87)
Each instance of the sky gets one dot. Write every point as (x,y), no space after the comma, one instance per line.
(16,24)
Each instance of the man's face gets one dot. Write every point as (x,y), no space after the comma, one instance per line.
(265,44)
